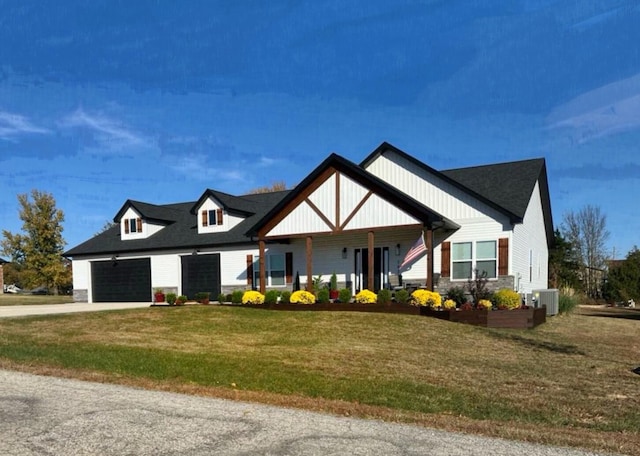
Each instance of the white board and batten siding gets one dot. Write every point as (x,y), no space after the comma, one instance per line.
(477,220)
(530,256)
(374,213)
(432,191)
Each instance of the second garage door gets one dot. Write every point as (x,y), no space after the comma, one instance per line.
(201,273)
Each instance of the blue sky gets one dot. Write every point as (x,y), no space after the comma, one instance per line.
(103,101)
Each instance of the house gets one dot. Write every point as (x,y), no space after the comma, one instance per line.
(2,262)
(389,221)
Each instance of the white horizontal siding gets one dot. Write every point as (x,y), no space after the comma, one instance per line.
(530,238)
(165,271)
(81,274)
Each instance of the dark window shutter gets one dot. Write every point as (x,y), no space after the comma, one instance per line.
(445,254)
(126,226)
(139,225)
(205,218)
(288,261)
(219,217)
(250,271)
(503,256)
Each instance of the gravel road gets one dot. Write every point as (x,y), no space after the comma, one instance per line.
(52,416)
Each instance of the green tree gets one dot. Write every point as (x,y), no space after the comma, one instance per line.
(37,251)
(586,230)
(623,281)
(563,268)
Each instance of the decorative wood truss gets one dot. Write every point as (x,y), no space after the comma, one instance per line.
(340,197)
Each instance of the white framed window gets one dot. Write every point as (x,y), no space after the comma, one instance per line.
(468,256)
(462,260)
(486,258)
(275,269)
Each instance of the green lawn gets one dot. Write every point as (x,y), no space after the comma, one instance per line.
(567,382)
(9,299)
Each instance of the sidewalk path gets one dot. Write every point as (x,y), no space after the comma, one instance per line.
(56,417)
(47,309)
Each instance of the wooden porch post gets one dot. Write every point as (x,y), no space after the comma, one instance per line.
(428,238)
(263,275)
(370,267)
(309,264)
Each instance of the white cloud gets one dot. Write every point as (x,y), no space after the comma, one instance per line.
(200,167)
(12,125)
(110,134)
(605,111)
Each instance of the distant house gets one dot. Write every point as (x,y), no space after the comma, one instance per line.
(389,221)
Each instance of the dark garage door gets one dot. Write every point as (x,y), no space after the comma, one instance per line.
(201,273)
(121,280)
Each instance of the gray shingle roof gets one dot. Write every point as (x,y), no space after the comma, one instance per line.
(509,185)
(3,261)
(181,231)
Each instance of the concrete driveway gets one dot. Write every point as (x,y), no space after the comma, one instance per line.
(51,416)
(47,309)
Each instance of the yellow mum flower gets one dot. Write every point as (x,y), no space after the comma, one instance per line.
(252,297)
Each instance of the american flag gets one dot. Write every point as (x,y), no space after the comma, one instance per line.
(416,250)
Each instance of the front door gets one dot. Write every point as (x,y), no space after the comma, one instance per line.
(380,268)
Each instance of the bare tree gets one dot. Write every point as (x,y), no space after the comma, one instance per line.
(587,232)
(274,187)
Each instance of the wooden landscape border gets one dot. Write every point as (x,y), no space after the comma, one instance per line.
(518,319)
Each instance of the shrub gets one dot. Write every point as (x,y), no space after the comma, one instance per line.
(181,299)
(236,296)
(566,303)
(478,286)
(285,297)
(402,296)
(506,299)
(252,297)
(271,297)
(449,304)
(221,298)
(317,284)
(202,297)
(302,297)
(171,298)
(366,297)
(384,296)
(427,298)
(484,304)
(323,296)
(345,295)
(457,294)
(333,282)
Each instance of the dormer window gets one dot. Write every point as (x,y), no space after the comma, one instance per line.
(212,217)
(133,225)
